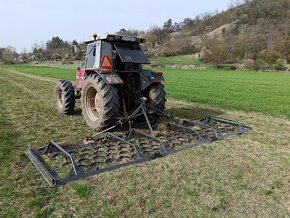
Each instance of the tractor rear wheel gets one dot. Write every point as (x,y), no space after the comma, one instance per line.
(100,102)
(65,97)
(156,96)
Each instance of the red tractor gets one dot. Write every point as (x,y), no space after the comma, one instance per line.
(112,82)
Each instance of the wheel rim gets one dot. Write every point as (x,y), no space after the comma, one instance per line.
(93,103)
(60,97)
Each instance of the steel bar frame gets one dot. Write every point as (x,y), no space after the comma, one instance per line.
(76,173)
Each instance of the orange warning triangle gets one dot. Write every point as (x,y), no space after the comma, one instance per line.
(106,63)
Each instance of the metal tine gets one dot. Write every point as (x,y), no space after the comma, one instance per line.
(99,137)
(124,152)
(85,150)
(182,127)
(99,160)
(152,137)
(93,164)
(129,143)
(55,155)
(242,128)
(198,122)
(125,155)
(222,135)
(110,160)
(112,149)
(66,163)
(83,155)
(122,147)
(99,153)
(53,144)
(82,160)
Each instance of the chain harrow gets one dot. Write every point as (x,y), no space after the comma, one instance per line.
(105,152)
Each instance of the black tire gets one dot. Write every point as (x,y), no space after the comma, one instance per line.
(156,96)
(100,103)
(65,97)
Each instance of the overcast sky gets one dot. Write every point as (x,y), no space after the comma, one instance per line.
(25,22)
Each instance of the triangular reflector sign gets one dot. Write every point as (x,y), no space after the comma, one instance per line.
(106,63)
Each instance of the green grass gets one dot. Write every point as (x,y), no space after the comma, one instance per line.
(81,189)
(265,92)
(47,71)
(8,137)
(178,60)
(241,176)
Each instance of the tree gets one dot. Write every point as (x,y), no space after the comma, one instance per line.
(129,32)
(8,55)
(122,31)
(216,53)
(1,53)
(54,43)
(158,32)
(54,46)
(168,25)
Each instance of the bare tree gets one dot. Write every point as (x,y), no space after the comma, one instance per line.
(8,55)
(217,52)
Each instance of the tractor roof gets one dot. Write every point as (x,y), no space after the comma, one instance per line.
(114,37)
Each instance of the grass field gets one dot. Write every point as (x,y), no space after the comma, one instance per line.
(178,60)
(268,93)
(241,176)
(265,92)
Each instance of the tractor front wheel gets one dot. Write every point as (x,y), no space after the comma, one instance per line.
(65,97)
(100,102)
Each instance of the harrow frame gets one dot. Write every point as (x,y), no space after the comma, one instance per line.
(77,172)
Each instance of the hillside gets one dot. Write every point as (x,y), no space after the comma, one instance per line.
(257,29)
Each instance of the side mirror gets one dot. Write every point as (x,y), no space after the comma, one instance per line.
(74,49)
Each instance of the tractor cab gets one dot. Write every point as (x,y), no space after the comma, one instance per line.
(115,53)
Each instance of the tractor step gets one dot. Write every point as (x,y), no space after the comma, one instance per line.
(60,164)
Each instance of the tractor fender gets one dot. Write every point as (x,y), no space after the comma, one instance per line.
(109,78)
(80,77)
(147,77)
(112,78)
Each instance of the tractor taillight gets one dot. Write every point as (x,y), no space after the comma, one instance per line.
(158,74)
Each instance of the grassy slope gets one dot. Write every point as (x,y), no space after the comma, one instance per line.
(268,93)
(240,176)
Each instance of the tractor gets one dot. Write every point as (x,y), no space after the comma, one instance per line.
(112,82)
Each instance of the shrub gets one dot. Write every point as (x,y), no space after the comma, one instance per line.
(260,64)
(166,51)
(280,64)
(269,56)
(231,67)
(248,64)
(217,55)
